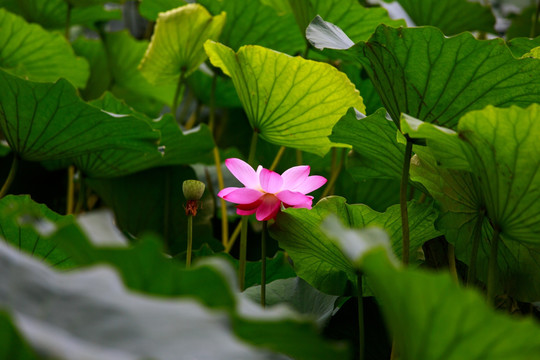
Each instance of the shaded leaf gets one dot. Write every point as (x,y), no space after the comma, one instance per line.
(100,76)
(520,46)
(44,121)
(177,44)
(290,101)
(318,260)
(151,8)
(12,344)
(29,51)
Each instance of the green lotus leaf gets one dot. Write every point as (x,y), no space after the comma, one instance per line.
(290,101)
(316,257)
(255,23)
(124,55)
(520,46)
(420,72)
(378,154)
(451,16)
(500,191)
(100,76)
(29,51)
(465,326)
(177,44)
(12,344)
(19,216)
(44,121)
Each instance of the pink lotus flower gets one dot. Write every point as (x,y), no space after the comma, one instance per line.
(265,190)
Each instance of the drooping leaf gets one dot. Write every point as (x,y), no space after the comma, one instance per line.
(378,154)
(290,101)
(100,77)
(124,55)
(44,121)
(177,43)
(176,147)
(501,191)
(150,9)
(255,23)
(420,72)
(317,259)
(18,214)
(12,344)
(451,16)
(29,51)
(451,323)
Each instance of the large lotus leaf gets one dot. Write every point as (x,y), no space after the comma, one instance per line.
(124,55)
(29,51)
(100,76)
(115,324)
(290,101)
(12,344)
(176,147)
(420,72)
(14,211)
(52,14)
(501,189)
(150,9)
(451,16)
(44,121)
(430,316)
(255,23)
(145,269)
(177,43)
(463,218)
(319,261)
(378,154)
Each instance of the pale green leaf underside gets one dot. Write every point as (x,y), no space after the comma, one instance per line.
(177,44)
(317,258)
(451,16)
(290,101)
(29,51)
(44,121)
(254,23)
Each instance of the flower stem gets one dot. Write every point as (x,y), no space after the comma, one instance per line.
(243,253)
(477,237)
(244,230)
(11,175)
(217,162)
(70,190)
(335,171)
(233,238)
(492,266)
(403,201)
(189,240)
(263,263)
(179,89)
(277,158)
(361,335)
